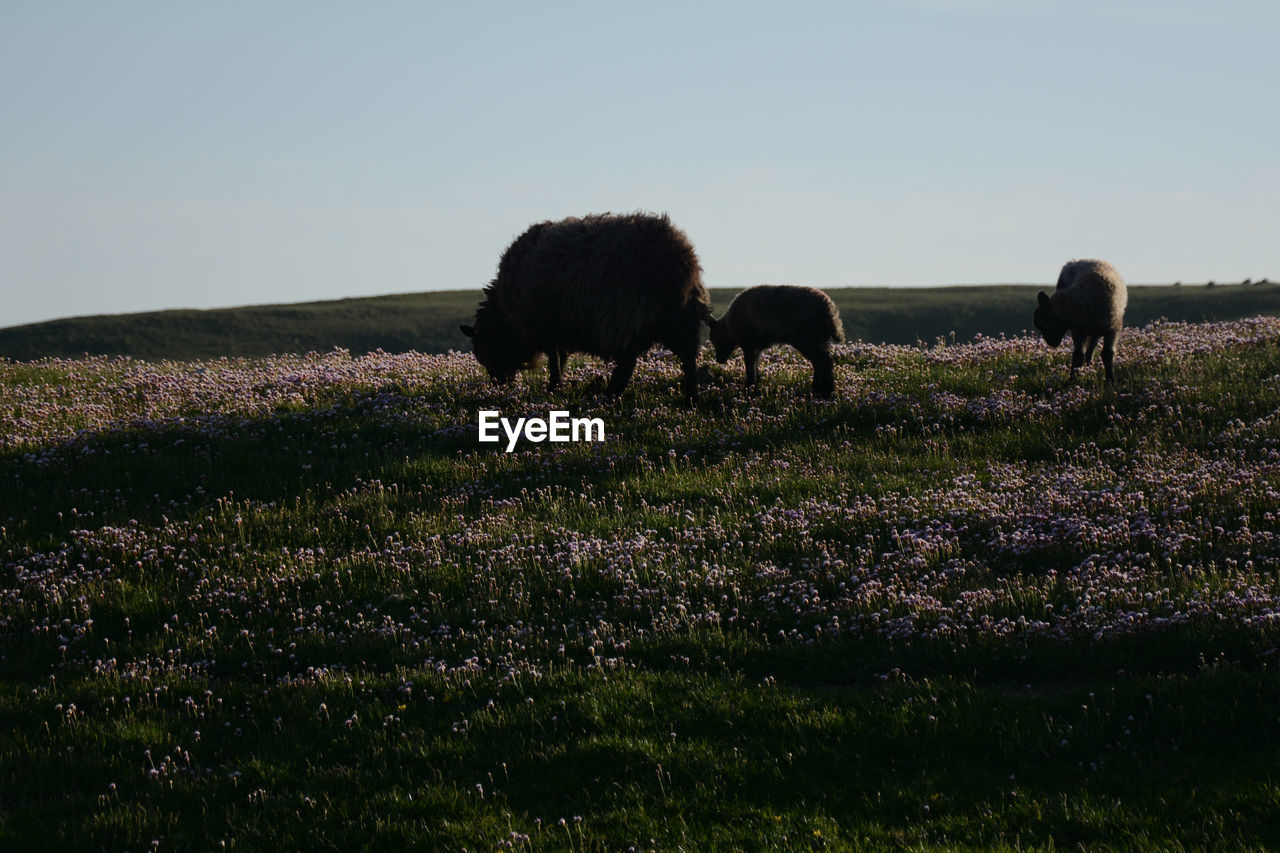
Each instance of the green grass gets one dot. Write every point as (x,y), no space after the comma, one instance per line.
(428,322)
(317,614)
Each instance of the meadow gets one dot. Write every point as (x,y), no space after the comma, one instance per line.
(291,602)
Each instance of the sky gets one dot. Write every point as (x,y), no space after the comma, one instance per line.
(191,155)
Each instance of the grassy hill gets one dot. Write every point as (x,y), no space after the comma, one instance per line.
(428,322)
(294,603)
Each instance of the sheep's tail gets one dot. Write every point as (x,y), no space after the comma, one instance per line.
(837,333)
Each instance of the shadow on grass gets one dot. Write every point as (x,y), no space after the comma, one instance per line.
(182,468)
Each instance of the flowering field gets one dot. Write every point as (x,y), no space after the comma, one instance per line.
(293,603)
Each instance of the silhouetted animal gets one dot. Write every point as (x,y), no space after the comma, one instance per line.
(1089,302)
(608,285)
(762,316)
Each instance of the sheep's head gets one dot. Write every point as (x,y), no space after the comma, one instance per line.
(499,351)
(722,340)
(1053,327)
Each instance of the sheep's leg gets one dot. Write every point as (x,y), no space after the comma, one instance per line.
(1077,355)
(751,358)
(555,366)
(689,364)
(686,345)
(621,375)
(1108,356)
(1090,343)
(687,351)
(824,372)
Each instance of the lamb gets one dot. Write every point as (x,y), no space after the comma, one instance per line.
(1089,302)
(762,316)
(607,285)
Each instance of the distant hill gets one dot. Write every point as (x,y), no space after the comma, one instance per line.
(428,322)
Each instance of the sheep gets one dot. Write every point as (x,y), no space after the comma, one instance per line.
(604,284)
(1089,302)
(762,316)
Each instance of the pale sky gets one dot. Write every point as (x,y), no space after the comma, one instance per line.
(167,155)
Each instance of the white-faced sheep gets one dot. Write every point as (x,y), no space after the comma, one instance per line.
(762,316)
(1089,302)
(608,285)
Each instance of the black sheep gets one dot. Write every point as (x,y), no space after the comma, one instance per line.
(607,285)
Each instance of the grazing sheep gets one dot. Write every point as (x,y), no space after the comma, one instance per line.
(1089,302)
(608,285)
(762,316)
